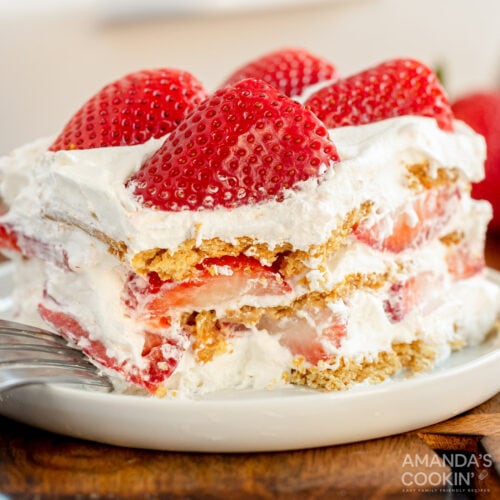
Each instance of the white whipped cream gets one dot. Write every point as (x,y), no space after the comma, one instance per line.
(88,186)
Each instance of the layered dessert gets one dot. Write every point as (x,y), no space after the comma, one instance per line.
(293,227)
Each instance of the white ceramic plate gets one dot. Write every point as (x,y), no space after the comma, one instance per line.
(258,420)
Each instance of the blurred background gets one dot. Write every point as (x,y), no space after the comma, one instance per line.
(57,53)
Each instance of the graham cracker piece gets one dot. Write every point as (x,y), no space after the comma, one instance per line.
(340,373)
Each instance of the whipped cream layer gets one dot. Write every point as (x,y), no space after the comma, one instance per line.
(87,188)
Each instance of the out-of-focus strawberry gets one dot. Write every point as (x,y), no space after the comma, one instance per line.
(481,111)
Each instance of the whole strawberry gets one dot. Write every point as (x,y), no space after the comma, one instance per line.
(289,70)
(393,88)
(131,110)
(244,144)
(481,111)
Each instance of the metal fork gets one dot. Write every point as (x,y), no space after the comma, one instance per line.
(30,355)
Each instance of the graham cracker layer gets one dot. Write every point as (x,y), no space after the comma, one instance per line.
(180,264)
(420,176)
(340,374)
(352,282)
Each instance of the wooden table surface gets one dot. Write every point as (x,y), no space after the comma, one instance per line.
(461,454)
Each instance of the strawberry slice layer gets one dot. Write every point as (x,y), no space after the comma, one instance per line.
(216,281)
(29,247)
(290,70)
(404,296)
(311,335)
(413,226)
(160,355)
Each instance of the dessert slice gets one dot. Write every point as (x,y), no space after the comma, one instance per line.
(258,241)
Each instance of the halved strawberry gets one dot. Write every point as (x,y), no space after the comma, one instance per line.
(393,88)
(309,333)
(245,144)
(217,281)
(411,226)
(131,110)
(161,355)
(405,295)
(290,70)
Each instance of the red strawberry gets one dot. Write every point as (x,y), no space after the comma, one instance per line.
(8,239)
(218,280)
(406,295)
(160,355)
(482,112)
(394,88)
(245,144)
(431,209)
(131,110)
(288,70)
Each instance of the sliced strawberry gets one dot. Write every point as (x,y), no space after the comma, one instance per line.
(406,228)
(309,337)
(289,70)
(405,295)
(131,110)
(245,144)
(462,262)
(8,238)
(394,88)
(217,281)
(31,247)
(161,355)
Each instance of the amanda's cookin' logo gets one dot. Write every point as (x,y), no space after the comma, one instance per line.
(457,472)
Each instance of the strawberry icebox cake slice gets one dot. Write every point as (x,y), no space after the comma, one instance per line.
(293,227)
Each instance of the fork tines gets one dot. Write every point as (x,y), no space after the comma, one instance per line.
(30,355)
